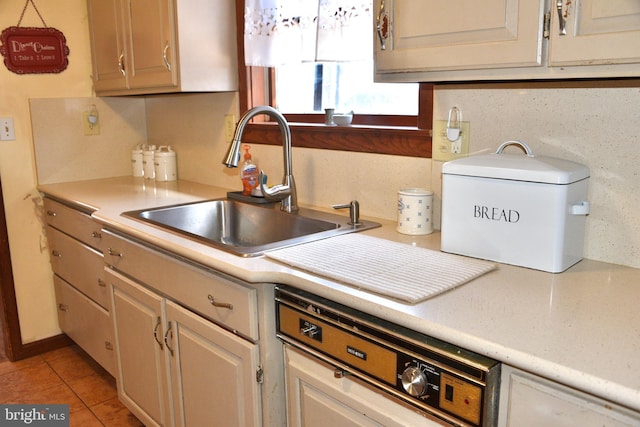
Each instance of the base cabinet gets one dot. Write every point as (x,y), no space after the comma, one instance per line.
(531,401)
(176,368)
(316,398)
(75,243)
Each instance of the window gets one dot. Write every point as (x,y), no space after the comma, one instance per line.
(310,87)
(399,132)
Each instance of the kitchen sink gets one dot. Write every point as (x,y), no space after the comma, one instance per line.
(247,229)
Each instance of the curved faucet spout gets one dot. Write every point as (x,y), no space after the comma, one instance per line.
(285,192)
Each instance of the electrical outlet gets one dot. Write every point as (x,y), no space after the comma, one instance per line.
(90,123)
(444,150)
(229,126)
(7,131)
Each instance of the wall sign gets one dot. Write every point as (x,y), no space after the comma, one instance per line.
(34,50)
(29,50)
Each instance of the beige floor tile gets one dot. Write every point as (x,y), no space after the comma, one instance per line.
(7,366)
(94,389)
(113,413)
(59,394)
(71,363)
(19,385)
(85,418)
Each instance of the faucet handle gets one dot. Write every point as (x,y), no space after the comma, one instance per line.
(354,211)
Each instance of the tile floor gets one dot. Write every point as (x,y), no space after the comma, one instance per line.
(67,375)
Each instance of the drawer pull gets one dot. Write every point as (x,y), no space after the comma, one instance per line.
(102,283)
(51,213)
(56,253)
(115,253)
(155,333)
(96,235)
(108,345)
(166,339)
(215,303)
(63,307)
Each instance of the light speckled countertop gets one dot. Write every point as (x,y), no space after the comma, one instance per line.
(580,328)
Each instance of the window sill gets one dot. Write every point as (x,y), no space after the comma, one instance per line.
(394,140)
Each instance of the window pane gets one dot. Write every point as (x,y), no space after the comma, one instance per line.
(311,87)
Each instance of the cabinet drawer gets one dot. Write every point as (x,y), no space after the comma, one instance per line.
(86,323)
(79,265)
(73,222)
(223,300)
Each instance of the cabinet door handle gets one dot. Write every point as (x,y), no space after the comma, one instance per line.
(56,253)
(96,235)
(561,21)
(215,303)
(51,213)
(382,26)
(155,333)
(165,57)
(102,283)
(108,345)
(166,338)
(111,252)
(63,307)
(121,64)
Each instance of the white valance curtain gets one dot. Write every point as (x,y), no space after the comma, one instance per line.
(281,32)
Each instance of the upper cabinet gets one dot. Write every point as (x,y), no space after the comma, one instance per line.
(431,40)
(163,46)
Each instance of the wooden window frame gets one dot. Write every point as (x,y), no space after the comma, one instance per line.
(395,135)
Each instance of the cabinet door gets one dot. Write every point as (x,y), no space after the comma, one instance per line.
(86,323)
(435,35)
(213,373)
(315,398)
(535,402)
(151,45)
(107,44)
(143,383)
(597,32)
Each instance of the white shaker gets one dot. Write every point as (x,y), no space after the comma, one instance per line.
(147,162)
(415,211)
(165,164)
(136,161)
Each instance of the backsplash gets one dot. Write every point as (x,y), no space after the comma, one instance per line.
(594,126)
(597,127)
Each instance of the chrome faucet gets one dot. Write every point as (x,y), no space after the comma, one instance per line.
(285,192)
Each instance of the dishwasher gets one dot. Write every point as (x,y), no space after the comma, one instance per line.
(344,367)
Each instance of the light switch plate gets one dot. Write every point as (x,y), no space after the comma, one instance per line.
(7,131)
(444,150)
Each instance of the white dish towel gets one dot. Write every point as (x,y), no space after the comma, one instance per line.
(398,270)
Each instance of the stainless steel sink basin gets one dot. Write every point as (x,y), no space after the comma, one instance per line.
(247,229)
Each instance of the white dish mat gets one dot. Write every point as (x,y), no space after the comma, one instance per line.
(407,273)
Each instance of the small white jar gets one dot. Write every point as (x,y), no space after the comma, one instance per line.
(165,164)
(147,162)
(136,161)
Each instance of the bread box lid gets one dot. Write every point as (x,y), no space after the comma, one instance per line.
(518,167)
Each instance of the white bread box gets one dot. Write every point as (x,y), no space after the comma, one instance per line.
(516,209)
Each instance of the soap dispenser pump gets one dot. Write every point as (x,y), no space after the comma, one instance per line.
(249,173)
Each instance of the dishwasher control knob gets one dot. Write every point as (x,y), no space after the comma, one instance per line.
(414,381)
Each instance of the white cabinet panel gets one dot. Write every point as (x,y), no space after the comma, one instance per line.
(214,373)
(597,32)
(532,401)
(461,35)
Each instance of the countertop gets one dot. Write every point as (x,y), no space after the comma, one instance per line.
(580,328)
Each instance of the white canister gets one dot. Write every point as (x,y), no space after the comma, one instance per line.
(136,161)
(165,164)
(147,162)
(415,211)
